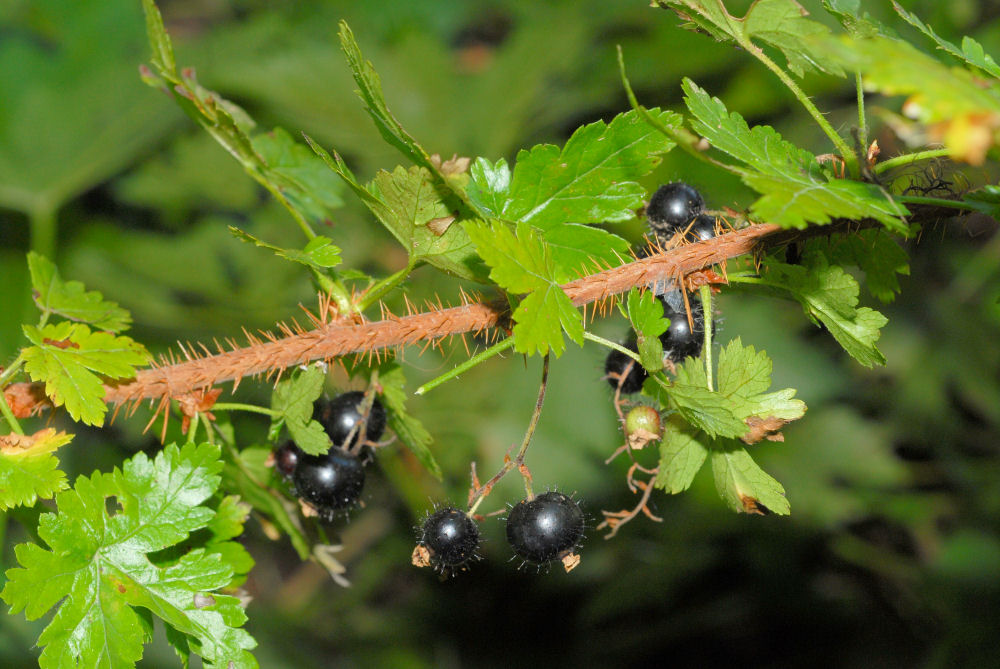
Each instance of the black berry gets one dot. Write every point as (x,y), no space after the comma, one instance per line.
(672,208)
(618,364)
(330,482)
(341,415)
(702,229)
(286,458)
(545,528)
(451,536)
(681,340)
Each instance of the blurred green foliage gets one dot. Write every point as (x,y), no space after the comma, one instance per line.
(892,553)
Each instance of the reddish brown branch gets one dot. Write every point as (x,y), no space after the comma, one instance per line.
(331,340)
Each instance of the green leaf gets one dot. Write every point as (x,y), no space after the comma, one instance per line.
(874,252)
(522,263)
(489,186)
(163,50)
(592,178)
(67,357)
(645,311)
(293,400)
(972,52)
(744,486)
(744,376)
(71,300)
(706,410)
(98,566)
(370,91)
(796,191)
(299,174)
(319,253)
(28,468)
(830,295)
(780,23)
(682,454)
(408,428)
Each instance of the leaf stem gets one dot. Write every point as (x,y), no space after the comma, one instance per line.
(467,365)
(383,287)
(842,147)
(612,345)
(936,201)
(9,416)
(862,121)
(518,460)
(909,158)
(12,369)
(236,406)
(706,303)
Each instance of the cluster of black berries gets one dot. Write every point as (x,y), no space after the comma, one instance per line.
(540,529)
(333,482)
(674,208)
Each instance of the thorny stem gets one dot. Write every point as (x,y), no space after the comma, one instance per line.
(517,460)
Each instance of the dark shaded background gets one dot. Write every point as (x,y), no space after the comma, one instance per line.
(891,556)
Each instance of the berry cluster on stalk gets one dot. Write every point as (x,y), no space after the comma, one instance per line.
(332,483)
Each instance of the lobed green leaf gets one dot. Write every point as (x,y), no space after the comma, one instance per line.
(71,300)
(28,468)
(683,451)
(320,253)
(98,565)
(746,487)
(293,400)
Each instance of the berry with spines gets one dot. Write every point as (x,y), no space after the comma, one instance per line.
(701,230)
(329,483)
(623,372)
(286,459)
(672,208)
(449,539)
(546,528)
(342,416)
(681,339)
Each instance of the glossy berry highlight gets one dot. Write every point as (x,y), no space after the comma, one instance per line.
(329,483)
(545,528)
(701,230)
(286,459)
(617,365)
(451,538)
(342,415)
(672,208)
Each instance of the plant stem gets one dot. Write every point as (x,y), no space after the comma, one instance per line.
(845,151)
(381,288)
(12,369)
(862,121)
(936,201)
(9,415)
(610,344)
(467,365)
(706,303)
(909,158)
(518,460)
(42,222)
(236,406)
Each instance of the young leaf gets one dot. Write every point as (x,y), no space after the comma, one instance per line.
(489,186)
(98,566)
(780,23)
(744,486)
(293,399)
(299,173)
(874,252)
(409,429)
(28,468)
(795,189)
(71,300)
(830,295)
(592,178)
(319,253)
(645,311)
(972,52)
(68,357)
(682,453)
(370,91)
(522,263)
(744,377)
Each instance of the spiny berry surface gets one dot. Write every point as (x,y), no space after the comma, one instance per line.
(545,528)
(452,537)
